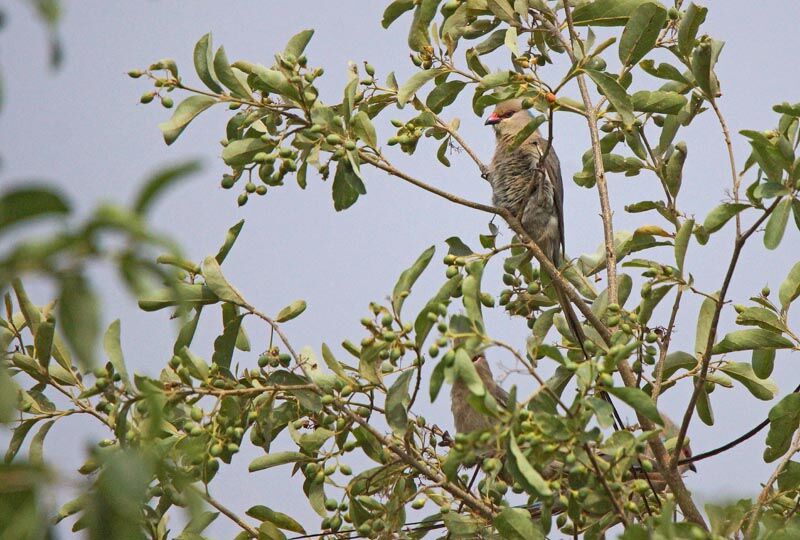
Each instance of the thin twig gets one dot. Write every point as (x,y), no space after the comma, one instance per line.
(731,159)
(664,346)
(249,529)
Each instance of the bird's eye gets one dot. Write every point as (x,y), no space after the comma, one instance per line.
(509,114)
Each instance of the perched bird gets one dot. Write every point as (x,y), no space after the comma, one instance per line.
(516,186)
(526,180)
(467,419)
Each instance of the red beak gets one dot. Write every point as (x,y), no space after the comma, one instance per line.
(492,120)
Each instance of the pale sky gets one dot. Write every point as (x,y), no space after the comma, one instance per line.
(82,128)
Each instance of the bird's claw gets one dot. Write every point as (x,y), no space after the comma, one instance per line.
(484,172)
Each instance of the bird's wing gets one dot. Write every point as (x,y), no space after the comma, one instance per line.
(501,396)
(552,168)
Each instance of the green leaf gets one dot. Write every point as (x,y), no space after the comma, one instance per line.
(763,389)
(658,102)
(192,295)
(215,280)
(198,523)
(394,10)
(225,343)
(457,247)
(186,111)
(763,362)
(605,12)
(464,370)
(502,10)
(720,215)
(20,432)
(651,302)
(227,76)
(703,406)
(789,477)
(638,401)
(417,81)
(761,317)
(418,34)
(159,182)
(36,450)
(678,360)
(443,95)
(230,239)
(495,40)
(364,130)
(242,151)
(79,317)
(22,204)
(471,288)
(523,471)
(291,311)
(113,350)
(610,87)
(530,128)
(776,225)
(674,168)
(409,276)
(704,57)
(441,153)
(279,519)
(347,186)
(641,32)
(790,288)
(369,363)
(682,242)
(664,71)
(755,338)
(436,380)
(43,341)
(511,41)
(297,44)
(276,458)
(784,418)
(690,25)
(796,212)
(516,524)
(396,402)
(204,64)
(332,363)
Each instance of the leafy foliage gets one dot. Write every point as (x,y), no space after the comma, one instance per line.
(551,460)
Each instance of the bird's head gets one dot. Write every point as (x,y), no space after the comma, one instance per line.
(508,117)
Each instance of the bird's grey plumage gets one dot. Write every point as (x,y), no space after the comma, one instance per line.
(465,418)
(513,176)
